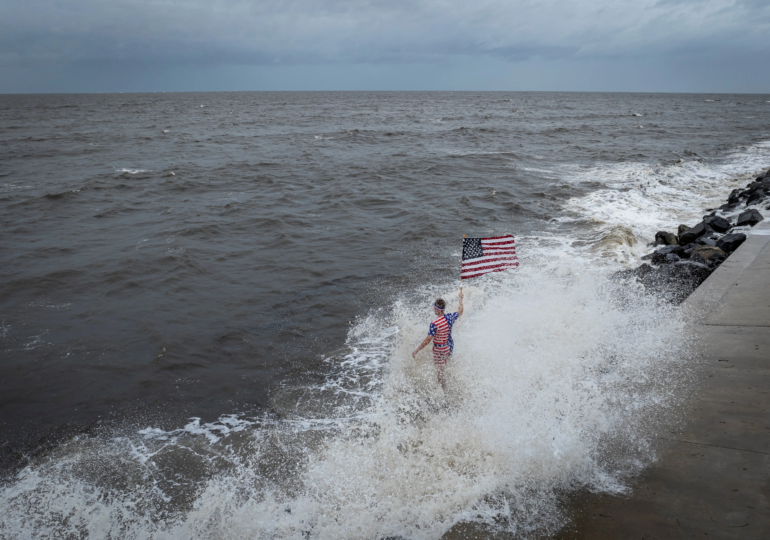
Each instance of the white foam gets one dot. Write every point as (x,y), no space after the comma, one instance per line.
(561,379)
(647,198)
(131,171)
(553,366)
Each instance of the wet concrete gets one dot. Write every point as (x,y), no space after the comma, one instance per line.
(713,476)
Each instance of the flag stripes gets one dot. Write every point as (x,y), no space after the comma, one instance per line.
(484,255)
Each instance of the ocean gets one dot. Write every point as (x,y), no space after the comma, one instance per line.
(208,303)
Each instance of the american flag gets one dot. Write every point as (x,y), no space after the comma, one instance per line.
(484,255)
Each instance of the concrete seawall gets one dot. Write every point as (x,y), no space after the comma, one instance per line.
(713,476)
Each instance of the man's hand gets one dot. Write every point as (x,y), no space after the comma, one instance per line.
(423,344)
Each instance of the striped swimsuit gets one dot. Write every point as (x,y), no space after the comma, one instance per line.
(441,330)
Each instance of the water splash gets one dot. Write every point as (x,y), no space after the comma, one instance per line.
(559,380)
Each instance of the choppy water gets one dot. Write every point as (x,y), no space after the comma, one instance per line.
(223,352)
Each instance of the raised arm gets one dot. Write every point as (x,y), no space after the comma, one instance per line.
(460,309)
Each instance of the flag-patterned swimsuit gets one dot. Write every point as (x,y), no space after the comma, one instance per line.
(441,330)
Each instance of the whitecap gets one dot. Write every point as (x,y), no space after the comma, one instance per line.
(555,383)
(648,198)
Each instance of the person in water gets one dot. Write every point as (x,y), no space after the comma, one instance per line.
(441,333)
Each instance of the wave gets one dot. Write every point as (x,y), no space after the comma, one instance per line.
(125,171)
(562,379)
(646,198)
(559,381)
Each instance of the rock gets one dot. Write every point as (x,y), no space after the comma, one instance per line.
(749,217)
(672,258)
(706,241)
(719,224)
(666,238)
(755,197)
(675,281)
(727,207)
(688,249)
(679,250)
(691,235)
(730,242)
(735,196)
(637,273)
(643,270)
(759,185)
(660,256)
(712,256)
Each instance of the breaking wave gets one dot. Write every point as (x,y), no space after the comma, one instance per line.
(638,199)
(559,381)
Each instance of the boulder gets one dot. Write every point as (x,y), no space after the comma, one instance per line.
(642,271)
(735,196)
(762,185)
(666,238)
(637,273)
(675,281)
(719,224)
(712,256)
(681,229)
(691,235)
(728,206)
(706,241)
(660,256)
(755,197)
(749,217)
(688,248)
(730,242)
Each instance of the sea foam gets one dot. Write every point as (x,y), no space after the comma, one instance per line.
(559,381)
(562,379)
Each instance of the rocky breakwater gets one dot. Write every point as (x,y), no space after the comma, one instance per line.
(683,260)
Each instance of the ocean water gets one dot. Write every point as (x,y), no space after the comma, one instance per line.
(208,304)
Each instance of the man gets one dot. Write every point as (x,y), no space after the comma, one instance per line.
(441,333)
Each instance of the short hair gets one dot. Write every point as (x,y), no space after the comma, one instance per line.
(440,304)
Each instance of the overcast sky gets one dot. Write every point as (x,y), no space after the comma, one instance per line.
(178,45)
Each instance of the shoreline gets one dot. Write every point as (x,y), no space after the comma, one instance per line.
(669,496)
(682,261)
(712,474)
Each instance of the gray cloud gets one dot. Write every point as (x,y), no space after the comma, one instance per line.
(295,31)
(316,32)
